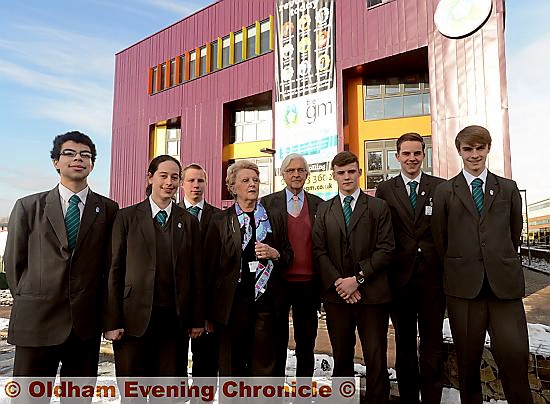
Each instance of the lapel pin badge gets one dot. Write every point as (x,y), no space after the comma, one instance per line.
(423,193)
(97,209)
(179,225)
(491,192)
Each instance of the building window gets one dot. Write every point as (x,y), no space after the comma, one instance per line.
(192,63)
(238,47)
(182,68)
(373,3)
(154,78)
(396,97)
(381,164)
(226,45)
(252,125)
(265,36)
(162,77)
(202,66)
(172,73)
(214,56)
(251,42)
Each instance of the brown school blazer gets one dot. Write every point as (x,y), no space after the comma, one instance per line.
(223,249)
(412,230)
(367,245)
(132,273)
(207,213)
(472,246)
(56,291)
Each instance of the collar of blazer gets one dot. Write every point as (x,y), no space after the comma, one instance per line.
(279,202)
(92,209)
(336,210)
(147,228)
(462,190)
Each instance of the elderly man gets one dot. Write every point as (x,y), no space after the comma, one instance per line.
(301,284)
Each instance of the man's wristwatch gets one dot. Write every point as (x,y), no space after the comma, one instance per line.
(360,278)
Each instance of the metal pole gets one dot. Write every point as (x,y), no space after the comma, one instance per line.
(524,191)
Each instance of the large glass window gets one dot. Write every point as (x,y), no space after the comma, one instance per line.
(162,77)
(182,68)
(381,164)
(154,78)
(396,97)
(253,124)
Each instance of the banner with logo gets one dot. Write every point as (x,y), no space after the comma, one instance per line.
(305,106)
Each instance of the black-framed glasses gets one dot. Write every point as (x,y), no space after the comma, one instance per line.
(295,170)
(85,154)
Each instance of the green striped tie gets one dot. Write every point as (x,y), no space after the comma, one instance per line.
(194,210)
(347,209)
(161,217)
(413,195)
(477,193)
(72,220)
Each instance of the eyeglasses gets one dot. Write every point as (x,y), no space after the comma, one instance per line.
(295,170)
(85,154)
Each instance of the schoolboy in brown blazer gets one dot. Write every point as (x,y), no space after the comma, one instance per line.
(56,260)
(416,276)
(155,292)
(477,225)
(204,348)
(353,245)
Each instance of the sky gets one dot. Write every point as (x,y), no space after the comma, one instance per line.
(57,71)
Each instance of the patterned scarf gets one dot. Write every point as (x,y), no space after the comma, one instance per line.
(261,222)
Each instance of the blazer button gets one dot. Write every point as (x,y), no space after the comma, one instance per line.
(483,243)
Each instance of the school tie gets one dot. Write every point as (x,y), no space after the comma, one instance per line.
(295,206)
(161,217)
(194,210)
(347,209)
(72,220)
(477,193)
(413,195)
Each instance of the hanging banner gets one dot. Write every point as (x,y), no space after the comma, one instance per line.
(305,106)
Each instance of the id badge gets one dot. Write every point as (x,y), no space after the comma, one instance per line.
(428,211)
(253,265)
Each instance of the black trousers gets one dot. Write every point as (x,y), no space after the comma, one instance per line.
(505,321)
(78,358)
(158,352)
(421,301)
(303,297)
(248,341)
(371,321)
(205,354)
